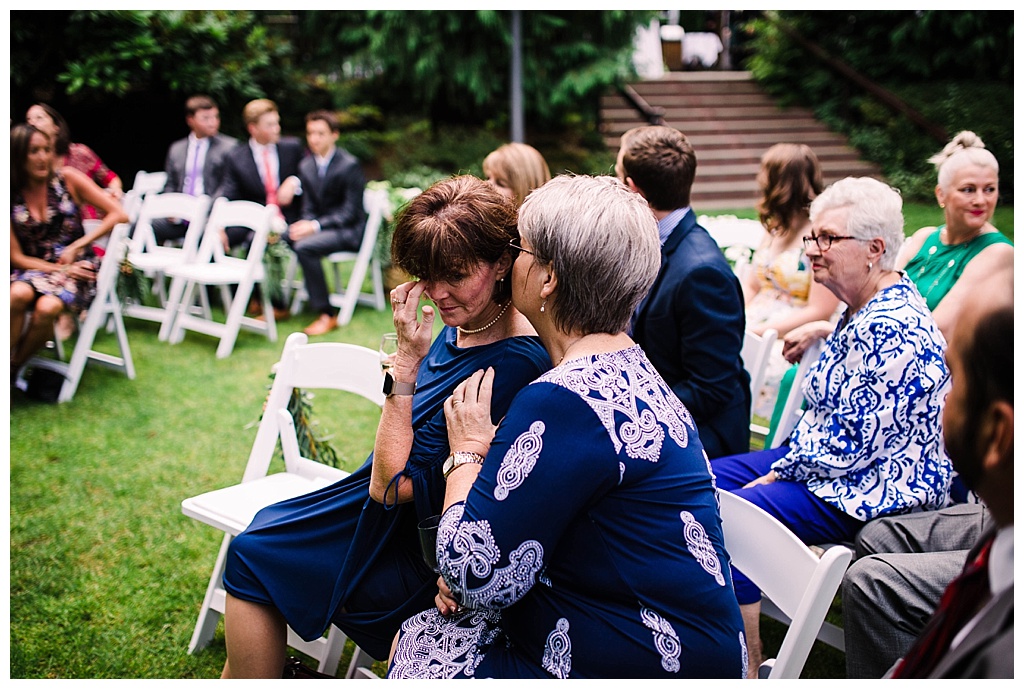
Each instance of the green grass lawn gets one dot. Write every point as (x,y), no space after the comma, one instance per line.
(106,574)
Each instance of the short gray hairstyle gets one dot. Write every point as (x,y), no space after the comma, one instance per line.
(966,148)
(875,211)
(601,240)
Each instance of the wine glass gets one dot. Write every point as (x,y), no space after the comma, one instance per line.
(428,541)
(388,350)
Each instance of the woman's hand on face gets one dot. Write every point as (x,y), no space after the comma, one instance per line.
(446,605)
(414,335)
(800,338)
(762,480)
(468,414)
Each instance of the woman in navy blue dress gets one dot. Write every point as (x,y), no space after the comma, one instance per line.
(349,553)
(581,536)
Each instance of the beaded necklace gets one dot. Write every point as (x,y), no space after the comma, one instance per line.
(480,330)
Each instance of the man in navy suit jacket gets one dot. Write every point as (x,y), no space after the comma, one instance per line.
(194,164)
(333,218)
(691,323)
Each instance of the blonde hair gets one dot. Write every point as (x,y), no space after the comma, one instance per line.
(966,148)
(519,167)
(255,109)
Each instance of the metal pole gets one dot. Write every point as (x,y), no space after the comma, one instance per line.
(517,77)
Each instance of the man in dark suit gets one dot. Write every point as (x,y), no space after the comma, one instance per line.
(333,218)
(265,170)
(691,323)
(194,164)
(970,634)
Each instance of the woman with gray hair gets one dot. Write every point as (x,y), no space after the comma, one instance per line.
(870,441)
(580,536)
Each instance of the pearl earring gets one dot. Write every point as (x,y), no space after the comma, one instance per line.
(543,305)
(870,265)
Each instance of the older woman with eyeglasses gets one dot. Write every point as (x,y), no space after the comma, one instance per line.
(581,536)
(870,441)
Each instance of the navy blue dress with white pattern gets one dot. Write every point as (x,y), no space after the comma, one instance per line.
(590,544)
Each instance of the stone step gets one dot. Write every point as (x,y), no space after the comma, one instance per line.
(731,122)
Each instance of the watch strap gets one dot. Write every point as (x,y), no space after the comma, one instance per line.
(457,459)
(393,387)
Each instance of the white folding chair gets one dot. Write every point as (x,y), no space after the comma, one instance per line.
(798,586)
(105,305)
(151,258)
(737,237)
(376,203)
(149,182)
(756,352)
(326,365)
(793,408)
(213,267)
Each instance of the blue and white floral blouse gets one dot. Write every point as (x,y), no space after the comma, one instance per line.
(590,544)
(870,442)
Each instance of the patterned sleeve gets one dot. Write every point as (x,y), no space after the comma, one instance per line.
(550,458)
(875,393)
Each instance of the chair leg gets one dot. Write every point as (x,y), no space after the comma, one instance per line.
(209,615)
(360,659)
(234,319)
(172,308)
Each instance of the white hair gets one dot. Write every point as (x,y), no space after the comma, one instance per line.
(602,241)
(875,212)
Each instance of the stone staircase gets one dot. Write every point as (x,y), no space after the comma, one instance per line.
(731,122)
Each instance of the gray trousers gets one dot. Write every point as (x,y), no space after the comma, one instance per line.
(902,566)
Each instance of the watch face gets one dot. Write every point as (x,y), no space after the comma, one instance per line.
(389,383)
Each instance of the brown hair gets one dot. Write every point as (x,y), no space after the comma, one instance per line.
(790,178)
(443,233)
(661,163)
(62,142)
(326,116)
(520,167)
(21,138)
(197,103)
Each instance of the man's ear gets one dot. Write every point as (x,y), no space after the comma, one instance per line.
(997,438)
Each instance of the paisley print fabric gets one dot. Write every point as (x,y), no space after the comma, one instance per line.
(590,544)
(870,442)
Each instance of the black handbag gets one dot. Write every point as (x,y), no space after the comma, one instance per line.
(296,669)
(44,384)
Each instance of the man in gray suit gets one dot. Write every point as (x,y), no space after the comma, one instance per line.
(891,598)
(195,164)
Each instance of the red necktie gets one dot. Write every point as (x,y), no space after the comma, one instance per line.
(960,602)
(268,178)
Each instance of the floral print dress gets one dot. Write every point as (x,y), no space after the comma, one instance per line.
(47,239)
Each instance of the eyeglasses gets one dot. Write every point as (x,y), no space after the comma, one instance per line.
(512,245)
(824,241)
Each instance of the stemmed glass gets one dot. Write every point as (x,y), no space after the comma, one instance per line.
(428,541)
(388,350)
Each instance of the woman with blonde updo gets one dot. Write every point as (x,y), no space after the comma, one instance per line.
(945,262)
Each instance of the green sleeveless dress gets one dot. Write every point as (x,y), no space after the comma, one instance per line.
(936,267)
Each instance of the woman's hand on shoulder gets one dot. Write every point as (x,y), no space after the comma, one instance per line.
(468,414)
(800,338)
(414,335)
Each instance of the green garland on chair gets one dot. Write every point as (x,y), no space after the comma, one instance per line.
(313,443)
(132,284)
(276,258)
